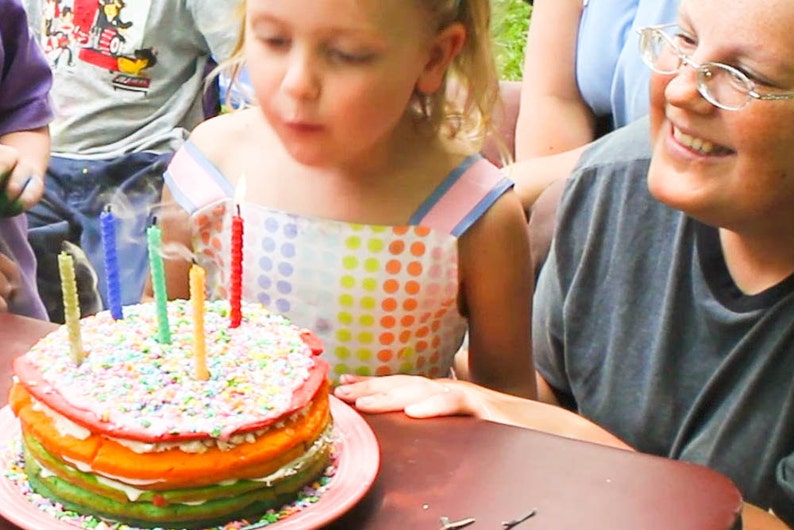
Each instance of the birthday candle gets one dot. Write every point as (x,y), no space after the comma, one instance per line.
(236,290)
(197,281)
(108,223)
(236,287)
(71,306)
(155,242)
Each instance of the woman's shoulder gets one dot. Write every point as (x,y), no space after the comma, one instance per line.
(627,145)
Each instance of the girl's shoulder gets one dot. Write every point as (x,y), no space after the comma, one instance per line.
(223,135)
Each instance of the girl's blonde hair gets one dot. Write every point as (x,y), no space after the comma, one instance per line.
(234,63)
(463,107)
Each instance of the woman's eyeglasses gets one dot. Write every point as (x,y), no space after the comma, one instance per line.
(720,84)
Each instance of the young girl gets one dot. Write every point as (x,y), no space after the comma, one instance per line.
(369,217)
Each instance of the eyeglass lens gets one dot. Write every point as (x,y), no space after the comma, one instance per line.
(661,54)
(719,84)
(723,85)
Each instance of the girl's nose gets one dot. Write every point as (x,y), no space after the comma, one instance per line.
(301,79)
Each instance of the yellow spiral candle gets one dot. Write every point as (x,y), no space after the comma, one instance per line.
(71,305)
(197,281)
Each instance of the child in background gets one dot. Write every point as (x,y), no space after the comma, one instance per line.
(369,216)
(128,79)
(25,111)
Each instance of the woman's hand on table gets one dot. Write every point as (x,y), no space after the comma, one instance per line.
(420,397)
(417,396)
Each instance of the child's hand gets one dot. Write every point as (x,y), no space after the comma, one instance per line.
(9,281)
(418,396)
(20,187)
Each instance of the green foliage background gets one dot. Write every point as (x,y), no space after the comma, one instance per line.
(510,23)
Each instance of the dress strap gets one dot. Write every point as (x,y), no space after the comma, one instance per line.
(194,181)
(463,197)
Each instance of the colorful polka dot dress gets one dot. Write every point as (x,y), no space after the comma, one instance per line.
(383,299)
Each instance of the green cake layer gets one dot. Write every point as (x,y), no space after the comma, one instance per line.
(187,507)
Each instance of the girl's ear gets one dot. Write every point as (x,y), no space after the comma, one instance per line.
(443,49)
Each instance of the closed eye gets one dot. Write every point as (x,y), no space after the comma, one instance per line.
(685,43)
(276,43)
(343,56)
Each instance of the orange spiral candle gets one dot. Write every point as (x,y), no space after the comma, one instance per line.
(197,281)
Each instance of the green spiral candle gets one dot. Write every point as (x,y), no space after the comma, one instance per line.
(155,243)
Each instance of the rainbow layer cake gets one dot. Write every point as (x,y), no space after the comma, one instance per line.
(131,434)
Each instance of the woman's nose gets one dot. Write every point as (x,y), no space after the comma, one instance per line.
(682,90)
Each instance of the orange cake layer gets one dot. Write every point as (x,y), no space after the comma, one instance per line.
(168,466)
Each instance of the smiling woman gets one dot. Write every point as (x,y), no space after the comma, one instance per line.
(663,314)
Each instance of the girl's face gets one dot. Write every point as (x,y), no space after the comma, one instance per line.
(733,169)
(335,77)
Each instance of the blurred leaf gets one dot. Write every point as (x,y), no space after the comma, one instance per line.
(510,23)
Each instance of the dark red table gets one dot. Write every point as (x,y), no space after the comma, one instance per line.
(462,467)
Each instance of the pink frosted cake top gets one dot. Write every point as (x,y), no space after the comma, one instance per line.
(130,385)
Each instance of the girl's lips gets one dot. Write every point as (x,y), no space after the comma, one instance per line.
(698,145)
(303,126)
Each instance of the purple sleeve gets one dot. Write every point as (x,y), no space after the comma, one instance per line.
(26,78)
(14,244)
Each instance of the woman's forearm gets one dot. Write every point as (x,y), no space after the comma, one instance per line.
(502,408)
(553,116)
(533,176)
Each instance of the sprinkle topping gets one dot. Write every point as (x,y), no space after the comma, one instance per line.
(130,380)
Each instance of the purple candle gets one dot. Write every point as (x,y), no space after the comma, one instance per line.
(108,222)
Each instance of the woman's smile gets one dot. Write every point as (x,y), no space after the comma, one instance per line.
(698,145)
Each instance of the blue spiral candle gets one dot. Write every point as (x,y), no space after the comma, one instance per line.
(108,223)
